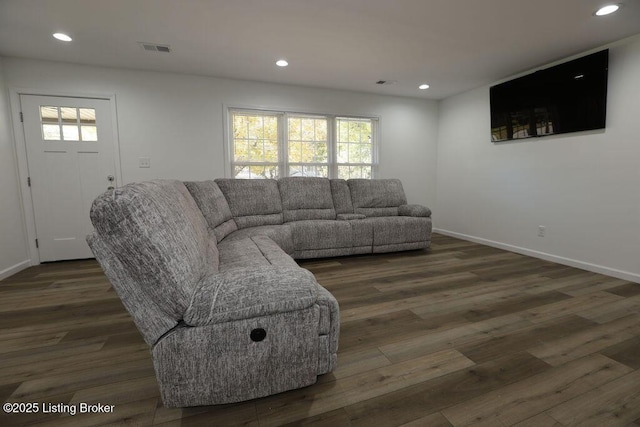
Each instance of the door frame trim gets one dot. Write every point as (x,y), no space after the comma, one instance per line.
(28,214)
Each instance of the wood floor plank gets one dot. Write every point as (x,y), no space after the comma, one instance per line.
(576,345)
(425,398)
(611,311)
(453,338)
(433,420)
(78,380)
(540,420)
(355,362)
(336,418)
(516,341)
(610,404)
(519,401)
(570,306)
(360,387)
(67,365)
(626,352)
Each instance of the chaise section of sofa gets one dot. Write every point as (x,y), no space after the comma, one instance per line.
(220,330)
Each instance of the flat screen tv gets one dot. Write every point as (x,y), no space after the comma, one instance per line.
(569,97)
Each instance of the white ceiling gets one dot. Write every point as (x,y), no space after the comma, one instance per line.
(454,45)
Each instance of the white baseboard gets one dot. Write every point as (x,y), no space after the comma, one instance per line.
(14,269)
(595,268)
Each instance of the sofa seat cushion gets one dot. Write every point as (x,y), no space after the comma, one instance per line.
(321,234)
(379,197)
(399,229)
(281,234)
(250,292)
(253,202)
(414,210)
(306,198)
(214,207)
(250,252)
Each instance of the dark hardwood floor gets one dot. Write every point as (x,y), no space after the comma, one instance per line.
(462,334)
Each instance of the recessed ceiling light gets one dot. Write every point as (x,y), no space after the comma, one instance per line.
(62,37)
(608,9)
(423,86)
(282,63)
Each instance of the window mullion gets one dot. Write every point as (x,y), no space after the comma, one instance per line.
(374,148)
(283,144)
(331,146)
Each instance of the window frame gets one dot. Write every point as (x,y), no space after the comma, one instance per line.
(231,163)
(283,138)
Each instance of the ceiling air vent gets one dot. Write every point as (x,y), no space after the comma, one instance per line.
(386,82)
(152,47)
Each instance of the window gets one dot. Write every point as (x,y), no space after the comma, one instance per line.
(255,146)
(77,124)
(355,148)
(308,146)
(269,144)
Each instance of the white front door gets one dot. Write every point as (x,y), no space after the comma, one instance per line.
(70,155)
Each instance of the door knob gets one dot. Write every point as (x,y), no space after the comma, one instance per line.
(111,178)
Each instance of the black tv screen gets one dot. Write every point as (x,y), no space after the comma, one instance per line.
(570,97)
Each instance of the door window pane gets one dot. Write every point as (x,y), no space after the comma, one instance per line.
(70,133)
(87,116)
(69,115)
(89,133)
(49,114)
(51,132)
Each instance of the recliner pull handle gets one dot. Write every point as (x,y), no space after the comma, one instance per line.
(258,335)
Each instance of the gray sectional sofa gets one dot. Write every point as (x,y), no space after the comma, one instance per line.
(207,271)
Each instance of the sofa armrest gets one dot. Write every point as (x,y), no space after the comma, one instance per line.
(250,292)
(414,210)
(350,216)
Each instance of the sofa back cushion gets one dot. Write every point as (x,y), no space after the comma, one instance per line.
(214,207)
(253,202)
(160,238)
(377,197)
(341,196)
(306,198)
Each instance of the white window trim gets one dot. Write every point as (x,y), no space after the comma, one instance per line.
(283,115)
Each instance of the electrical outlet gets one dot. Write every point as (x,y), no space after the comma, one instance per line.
(542,230)
(144,162)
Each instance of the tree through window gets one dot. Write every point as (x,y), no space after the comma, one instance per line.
(275,144)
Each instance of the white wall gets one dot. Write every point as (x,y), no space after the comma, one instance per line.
(585,188)
(13,250)
(177,120)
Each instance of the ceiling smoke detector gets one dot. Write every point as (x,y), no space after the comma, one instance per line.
(152,47)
